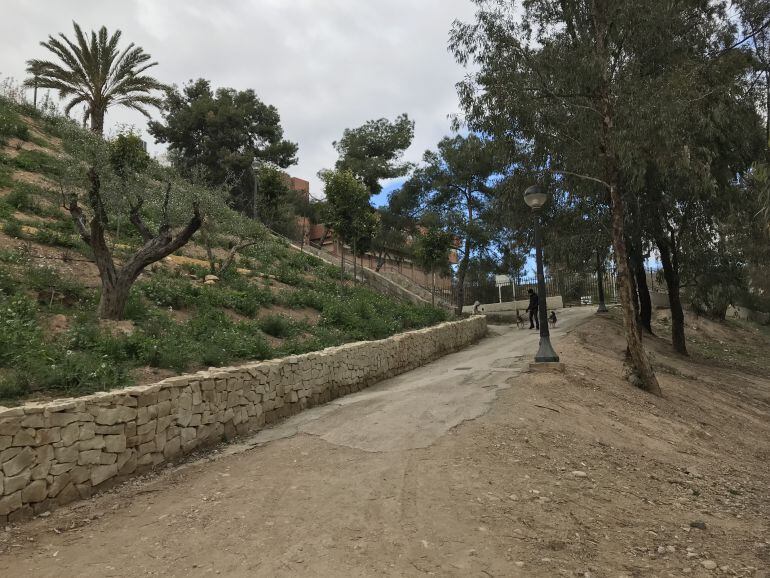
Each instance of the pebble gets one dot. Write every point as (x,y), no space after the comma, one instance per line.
(579,474)
(519,563)
(709,564)
(700,524)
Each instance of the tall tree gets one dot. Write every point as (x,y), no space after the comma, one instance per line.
(454,182)
(431,251)
(562,80)
(95,72)
(373,151)
(348,212)
(226,131)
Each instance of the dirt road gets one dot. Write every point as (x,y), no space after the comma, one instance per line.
(465,467)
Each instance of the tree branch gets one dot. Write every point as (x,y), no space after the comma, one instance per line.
(136,219)
(579,176)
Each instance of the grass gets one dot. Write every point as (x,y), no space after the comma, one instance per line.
(176,321)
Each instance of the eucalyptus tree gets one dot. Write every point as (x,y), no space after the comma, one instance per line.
(455,182)
(95,72)
(373,151)
(564,81)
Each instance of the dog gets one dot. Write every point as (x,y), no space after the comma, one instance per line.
(552,319)
(519,320)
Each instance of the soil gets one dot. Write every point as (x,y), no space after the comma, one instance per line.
(573,474)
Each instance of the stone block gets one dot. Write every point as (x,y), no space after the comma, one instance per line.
(115,443)
(106,459)
(5,442)
(95,443)
(172,447)
(40,471)
(127,463)
(24,437)
(89,457)
(102,473)
(61,419)
(70,434)
(87,431)
(80,474)
(21,461)
(10,426)
(84,490)
(10,503)
(35,492)
(59,469)
(15,483)
(112,416)
(68,494)
(58,484)
(49,435)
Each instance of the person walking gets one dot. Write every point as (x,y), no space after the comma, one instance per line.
(534,303)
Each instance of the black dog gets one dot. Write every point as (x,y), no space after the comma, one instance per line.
(552,319)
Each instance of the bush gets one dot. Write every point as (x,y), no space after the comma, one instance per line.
(277,326)
(20,199)
(46,236)
(38,162)
(12,228)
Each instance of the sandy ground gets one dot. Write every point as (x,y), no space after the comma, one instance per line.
(466,467)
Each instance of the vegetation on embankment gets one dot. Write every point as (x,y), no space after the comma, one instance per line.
(274,302)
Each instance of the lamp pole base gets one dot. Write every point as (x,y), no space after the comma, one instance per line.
(602,308)
(545,352)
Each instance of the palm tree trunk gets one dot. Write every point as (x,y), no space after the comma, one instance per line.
(97,121)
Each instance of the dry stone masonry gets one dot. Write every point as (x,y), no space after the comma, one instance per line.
(55,452)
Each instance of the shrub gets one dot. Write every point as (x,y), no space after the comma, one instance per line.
(12,228)
(46,236)
(277,326)
(38,162)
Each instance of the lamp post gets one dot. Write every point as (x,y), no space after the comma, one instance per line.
(535,197)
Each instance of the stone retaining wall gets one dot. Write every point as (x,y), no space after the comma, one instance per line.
(55,452)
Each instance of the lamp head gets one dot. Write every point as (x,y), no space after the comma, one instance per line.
(535,197)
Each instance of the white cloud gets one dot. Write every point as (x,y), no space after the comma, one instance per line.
(325,64)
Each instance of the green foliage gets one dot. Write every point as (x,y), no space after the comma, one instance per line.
(348,211)
(223,131)
(12,228)
(11,124)
(372,151)
(95,72)
(127,154)
(277,326)
(431,249)
(38,162)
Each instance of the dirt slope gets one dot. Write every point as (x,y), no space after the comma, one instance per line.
(575,475)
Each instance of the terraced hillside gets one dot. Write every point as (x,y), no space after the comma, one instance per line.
(275,301)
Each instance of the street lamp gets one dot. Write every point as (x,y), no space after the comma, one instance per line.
(535,197)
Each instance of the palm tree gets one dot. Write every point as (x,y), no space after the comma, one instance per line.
(96,73)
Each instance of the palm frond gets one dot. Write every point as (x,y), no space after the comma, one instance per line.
(93,70)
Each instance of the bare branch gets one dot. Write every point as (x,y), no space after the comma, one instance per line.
(233,253)
(136,219)
(579,176)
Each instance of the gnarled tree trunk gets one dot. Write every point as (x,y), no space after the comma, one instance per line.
(116,283)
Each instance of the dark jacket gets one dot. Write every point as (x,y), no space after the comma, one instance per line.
(533,302)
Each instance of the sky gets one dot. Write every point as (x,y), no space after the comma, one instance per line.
(326,65)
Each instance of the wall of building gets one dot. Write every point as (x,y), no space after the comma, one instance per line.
(56,452)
